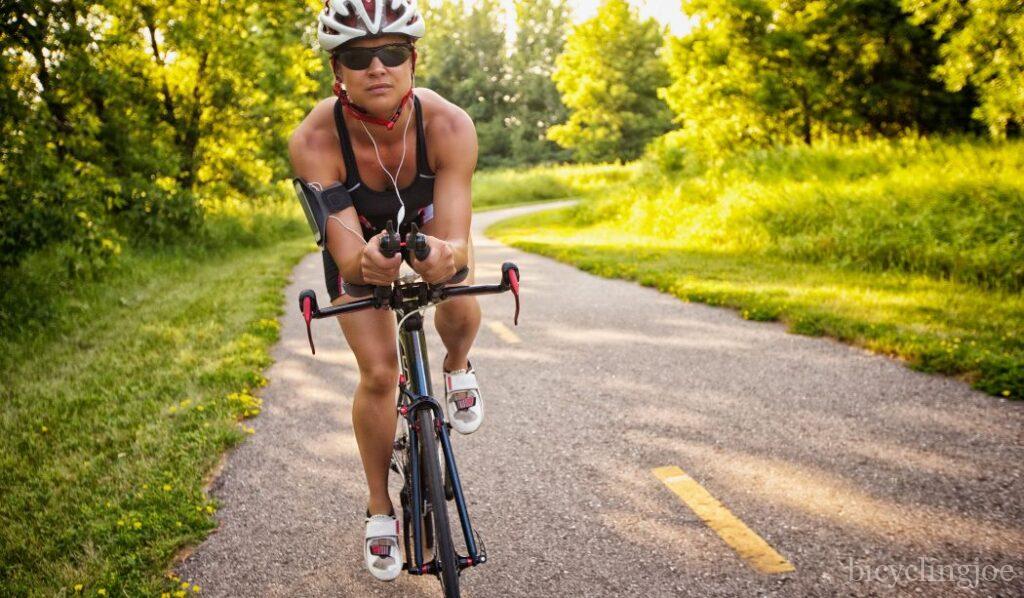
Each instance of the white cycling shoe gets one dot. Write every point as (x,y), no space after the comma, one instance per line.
(380,548)
(463,405)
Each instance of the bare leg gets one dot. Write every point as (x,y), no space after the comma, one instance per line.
(457,322)
(371,335)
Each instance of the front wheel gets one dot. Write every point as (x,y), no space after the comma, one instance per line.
(444,549)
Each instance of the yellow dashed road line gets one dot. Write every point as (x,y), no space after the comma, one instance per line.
(503,332)
(736,534)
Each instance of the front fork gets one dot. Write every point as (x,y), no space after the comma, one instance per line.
(409,406)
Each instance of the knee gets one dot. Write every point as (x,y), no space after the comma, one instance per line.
(380,378)
(463,311)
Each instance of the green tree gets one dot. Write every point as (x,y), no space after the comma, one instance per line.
(983,46)
(464,59)
(541,27)
(69,144)
(608,76)
(127,119)
(761,72)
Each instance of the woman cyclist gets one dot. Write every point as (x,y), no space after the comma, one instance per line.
(383,150)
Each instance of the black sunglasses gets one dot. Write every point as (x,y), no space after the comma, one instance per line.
(358,59)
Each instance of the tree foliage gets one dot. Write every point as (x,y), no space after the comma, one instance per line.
(983,46)
(122,120)
(541,27)
(465,60)
(608,76)
(761,72)
(129,121)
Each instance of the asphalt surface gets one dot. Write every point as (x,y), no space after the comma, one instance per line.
(848,464)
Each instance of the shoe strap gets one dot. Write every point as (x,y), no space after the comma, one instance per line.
(381,527)
(460,380)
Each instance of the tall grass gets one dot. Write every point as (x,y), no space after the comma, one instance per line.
(949,209)
(509,186)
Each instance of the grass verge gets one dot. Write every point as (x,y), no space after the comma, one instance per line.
(509,187)
(119,395)
(934,325)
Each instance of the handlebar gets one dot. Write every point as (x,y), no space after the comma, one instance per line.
(408,297)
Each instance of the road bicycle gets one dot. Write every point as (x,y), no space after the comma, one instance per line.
(427,486)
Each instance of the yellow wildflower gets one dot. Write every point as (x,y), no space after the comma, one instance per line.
(209,508)
(101,592)
(78,587)
(1006,393)
(167,487)
(137,525)
(184,585)
(195,589)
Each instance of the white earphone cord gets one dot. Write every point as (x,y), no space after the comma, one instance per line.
(394,179)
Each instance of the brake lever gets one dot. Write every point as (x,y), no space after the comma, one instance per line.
(510,280)
(417,242)
(307,303)
(390,242)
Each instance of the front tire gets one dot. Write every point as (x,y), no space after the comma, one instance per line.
(444,549)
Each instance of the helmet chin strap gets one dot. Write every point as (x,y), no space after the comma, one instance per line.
(359,113)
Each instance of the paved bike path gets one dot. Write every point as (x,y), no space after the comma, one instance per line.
(842,461)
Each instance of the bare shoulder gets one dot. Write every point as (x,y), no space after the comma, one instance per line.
(313,146)
(441,116)
(450,132)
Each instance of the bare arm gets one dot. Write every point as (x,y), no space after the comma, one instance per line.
(314,154)
(453,203)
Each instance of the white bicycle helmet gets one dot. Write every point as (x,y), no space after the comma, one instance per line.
(342,21)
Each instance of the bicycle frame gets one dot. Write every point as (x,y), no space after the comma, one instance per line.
(415,395)
(416,404)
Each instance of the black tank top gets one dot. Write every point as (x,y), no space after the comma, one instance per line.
(375,208)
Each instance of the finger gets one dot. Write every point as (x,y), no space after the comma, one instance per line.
(385,263)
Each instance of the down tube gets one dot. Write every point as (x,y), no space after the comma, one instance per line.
(415,345)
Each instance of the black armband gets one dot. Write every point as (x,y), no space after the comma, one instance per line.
(336,198)
(319,205)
